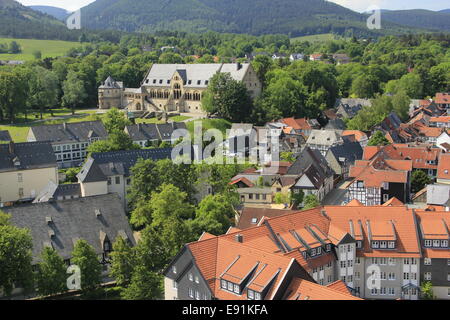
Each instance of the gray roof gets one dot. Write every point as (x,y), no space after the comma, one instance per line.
(194,75)
(110,83)
(27,155)
(307,158)
(438,194)
(93,219)
(324,137)
(102,165)
(352,106)
(5,136)
(335,124)
(153,131)
(350,151)
(70,132)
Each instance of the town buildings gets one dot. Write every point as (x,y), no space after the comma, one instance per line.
(25,170)
(69,140)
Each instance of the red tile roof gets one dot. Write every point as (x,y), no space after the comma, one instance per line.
(393,202)
(359,135)
(244,180)
(441,119)
(444,167)
(442,98)
(374,178)
(297,124)
(306,290)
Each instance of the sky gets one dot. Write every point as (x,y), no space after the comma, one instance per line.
(356,5)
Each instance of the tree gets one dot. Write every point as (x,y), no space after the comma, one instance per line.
(287,156)
(15,257)
(427,290)
(262,64)
(51,275)
(144,285)
(13,93)
(115,120)
(14,47)
(214,214)
(282,198)
(311,201)
(116,141)
(37,54)
(365,86)
(378,139)
(71,175)
(122,262)
(298,197)
(74,91)
(85,257)
(419,179)
(228,98)
(4,218)
(43,89)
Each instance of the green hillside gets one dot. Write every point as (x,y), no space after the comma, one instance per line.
(439,21)
(294,17)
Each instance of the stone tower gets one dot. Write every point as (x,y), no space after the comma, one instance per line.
(110,94)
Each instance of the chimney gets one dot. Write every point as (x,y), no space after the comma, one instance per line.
(11,147)
(139,127)
(64,126)
(238,66)
(239,238)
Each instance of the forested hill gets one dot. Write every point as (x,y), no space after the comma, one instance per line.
(295,17)
(18,21)
(58,13)
(419,18)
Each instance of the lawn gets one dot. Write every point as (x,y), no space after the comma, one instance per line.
(19,131)
(155,120)
(49,48)
(315,38)
(219,124)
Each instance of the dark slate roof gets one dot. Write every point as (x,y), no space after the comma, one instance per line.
(27,155)
(5,136)
(336,124)
(307,158)
(152,131)
(68,190)
(72,220)
(351,151)
(110,83)
(391,122)
(69,132)
(101,165)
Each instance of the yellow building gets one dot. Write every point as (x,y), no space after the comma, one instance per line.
(25,170)
(175,87)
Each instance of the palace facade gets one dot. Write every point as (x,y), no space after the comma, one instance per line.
(174,87)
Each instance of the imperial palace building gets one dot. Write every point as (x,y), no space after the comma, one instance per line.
(174,87)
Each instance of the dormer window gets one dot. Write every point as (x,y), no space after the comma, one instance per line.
(383,244)
(174,269)
(319,250)
(436,243)
(375,244)
(391,244)
(359,244)
(444,243)
(328,247)
(428,243)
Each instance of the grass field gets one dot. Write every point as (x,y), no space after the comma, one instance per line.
(155,120)
(220,124)
(315,38)
(49,48)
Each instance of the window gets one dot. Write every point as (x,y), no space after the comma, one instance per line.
(375,244)
(358,260)
(383,244)
(20,192)
(109,181)
(383,261)
(405,276)
(117,180)
(319,250)
(428,243)
(382,291)
(328,247)
(359,244)
(391,261)
(427,261)
(174,269)
(427,275)
(191,293)
(391,291)
(20,177)
(250,294)
(197,295)
(175,285)
(257,296)
(436,243)
(444,243)
(383,275)
(230,286)
(236,289)
(223,284)
(406,261)
(391,244)
(391,276)
(197,279)
(373,291)
(191,277)
(448,276)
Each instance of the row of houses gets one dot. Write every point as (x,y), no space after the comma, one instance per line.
(371,252)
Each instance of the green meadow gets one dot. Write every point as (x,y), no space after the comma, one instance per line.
(49,48)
